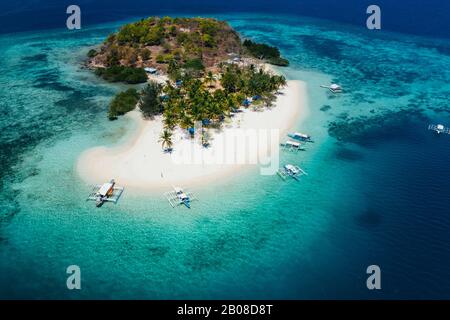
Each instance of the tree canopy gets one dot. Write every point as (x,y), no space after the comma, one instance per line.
(150,103)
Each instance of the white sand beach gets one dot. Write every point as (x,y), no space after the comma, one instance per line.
(140,164)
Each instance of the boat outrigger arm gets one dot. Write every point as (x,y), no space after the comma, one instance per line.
(107,192)
(179,197)
(292,171)
(335,88)
(292,146)
(439,128)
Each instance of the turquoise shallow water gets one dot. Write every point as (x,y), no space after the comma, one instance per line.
(369,198)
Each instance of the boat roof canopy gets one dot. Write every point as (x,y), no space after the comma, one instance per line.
(105,188)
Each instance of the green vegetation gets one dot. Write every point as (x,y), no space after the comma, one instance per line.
(122,103)
(250,81)
(122,74)
(92,53)
(194,44)
(278,61)
(166,139)
(151,103)
(194,100)
(191,51)
(194,64)
(264,51)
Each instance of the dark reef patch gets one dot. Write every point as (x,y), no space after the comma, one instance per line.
(368,219)
(325,108)
(40,57)
(159,252)
(346,154)
(9,208)
(323,47)
(50,80)
(370,130)
(76,101)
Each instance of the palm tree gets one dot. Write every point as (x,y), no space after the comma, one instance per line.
(209,79)
(166,140)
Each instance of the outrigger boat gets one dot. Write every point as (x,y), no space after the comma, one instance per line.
(335,88)
(300,136)
(289,170)
(107,192)
(292,146)
(179,197)
(439,128)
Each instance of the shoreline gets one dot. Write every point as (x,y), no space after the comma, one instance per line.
(140,164)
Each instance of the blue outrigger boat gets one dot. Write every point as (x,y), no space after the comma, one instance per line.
(439,128)
(179,197)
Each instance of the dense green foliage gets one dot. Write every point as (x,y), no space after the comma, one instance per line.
(192,50)
(282,62)
(144,32)
(122,103)
(194,101)
(150,103)
(264,51)
(92,53)
(250,81)
(122,74)
(193,43)
(194,64)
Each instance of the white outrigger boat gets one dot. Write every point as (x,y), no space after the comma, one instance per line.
(107,192)
(179,197)
(335,88)
(439,128)
(300,136)
(289,170)
(292,146)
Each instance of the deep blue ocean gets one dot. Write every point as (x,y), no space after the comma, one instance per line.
(419,17)
(378,191)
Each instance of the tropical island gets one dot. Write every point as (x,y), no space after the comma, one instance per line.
(195,71)
(210,71)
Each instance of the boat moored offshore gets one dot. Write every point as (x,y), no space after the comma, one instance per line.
(300,136)
(107,192)
(290,170)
